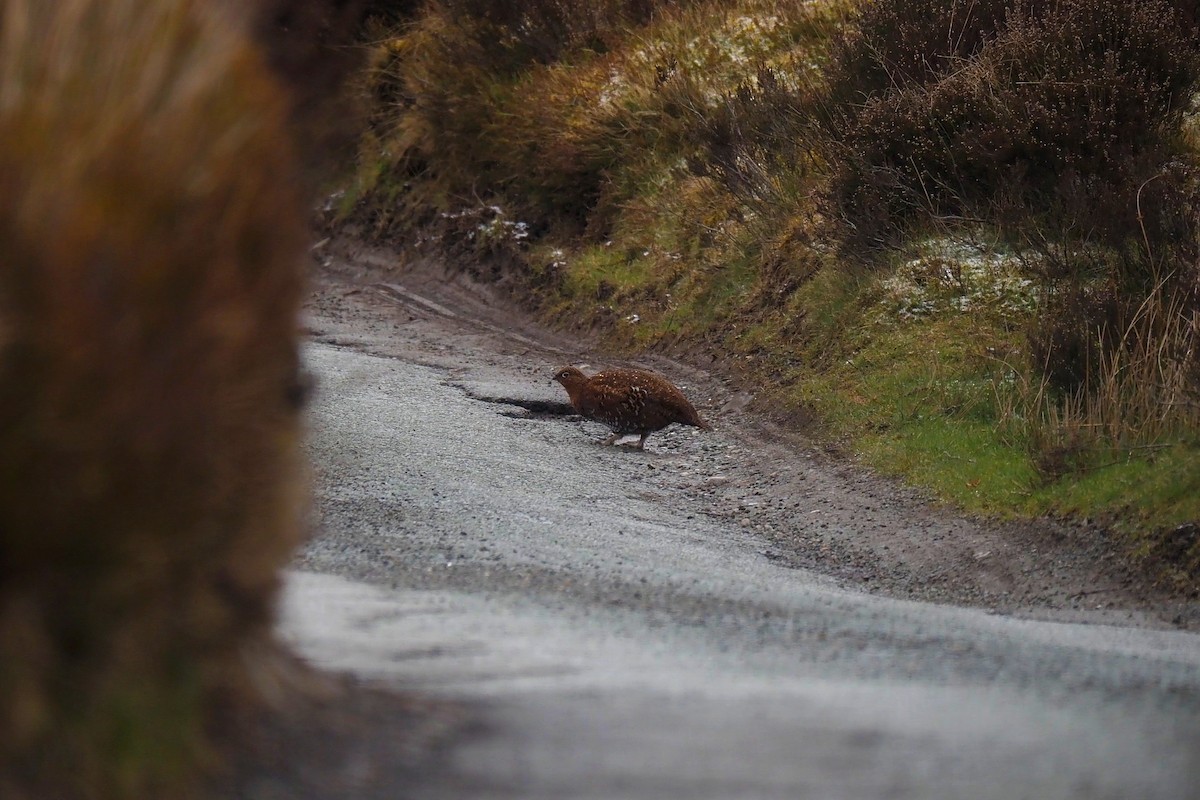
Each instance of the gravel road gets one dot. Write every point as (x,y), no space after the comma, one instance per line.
(727,615)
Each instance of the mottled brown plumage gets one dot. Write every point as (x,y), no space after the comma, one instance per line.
(628,401)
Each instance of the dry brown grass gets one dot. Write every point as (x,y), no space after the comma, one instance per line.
(1140,391)
(1018,113)
(151,233)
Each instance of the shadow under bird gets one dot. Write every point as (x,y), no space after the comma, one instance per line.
(629,401)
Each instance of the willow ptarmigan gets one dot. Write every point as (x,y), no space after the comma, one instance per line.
(628,401)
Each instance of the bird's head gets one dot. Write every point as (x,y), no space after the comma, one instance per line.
(569,376)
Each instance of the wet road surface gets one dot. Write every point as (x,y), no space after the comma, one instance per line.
(616,638)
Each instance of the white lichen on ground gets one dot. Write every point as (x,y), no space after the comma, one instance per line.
(953,276)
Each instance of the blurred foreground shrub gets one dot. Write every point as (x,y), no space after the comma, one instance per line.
(150,241)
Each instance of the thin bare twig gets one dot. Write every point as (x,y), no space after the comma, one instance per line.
(1142,221)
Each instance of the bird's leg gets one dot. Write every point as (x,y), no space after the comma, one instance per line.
(641,445)
(612,439)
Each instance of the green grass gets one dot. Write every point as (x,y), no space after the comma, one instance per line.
(1157,489)
(601,269)
(961,459)
(917,399)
